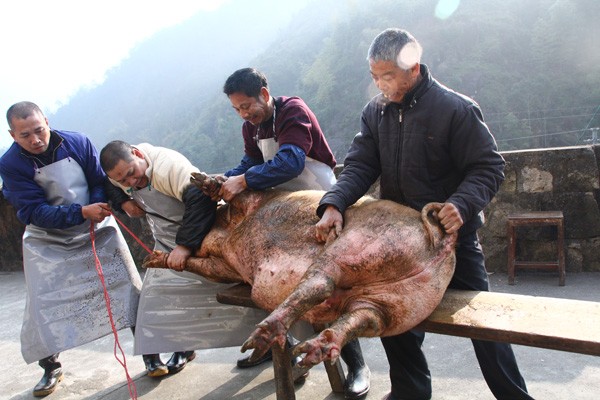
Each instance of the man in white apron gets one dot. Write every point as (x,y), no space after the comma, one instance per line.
(178,311)
(54,181)
(285,148)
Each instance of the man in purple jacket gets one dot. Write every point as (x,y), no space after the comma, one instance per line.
(284,148)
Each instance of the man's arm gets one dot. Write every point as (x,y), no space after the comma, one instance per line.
(287,164)
(198,219)
(361,169)
(474,152)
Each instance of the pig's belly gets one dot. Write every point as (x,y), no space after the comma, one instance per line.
(276,277)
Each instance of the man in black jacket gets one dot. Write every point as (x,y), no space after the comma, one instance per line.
(427,143)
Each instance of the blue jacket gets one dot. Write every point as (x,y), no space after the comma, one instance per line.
(17,169)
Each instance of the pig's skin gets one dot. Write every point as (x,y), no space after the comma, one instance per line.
(383,275)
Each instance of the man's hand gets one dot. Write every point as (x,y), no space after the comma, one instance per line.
(96,212)
(450,218)
(178,257)
(330,225)
(233,186)
(132,209)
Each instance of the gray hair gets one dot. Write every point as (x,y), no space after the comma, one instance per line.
(396,45)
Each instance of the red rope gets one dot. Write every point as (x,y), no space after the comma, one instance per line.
(132,234)
(130,383)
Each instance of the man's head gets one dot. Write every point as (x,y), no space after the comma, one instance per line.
(248,92)
(28,127)
(394,61)
(124,164)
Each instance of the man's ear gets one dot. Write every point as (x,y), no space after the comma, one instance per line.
(264,92)
(137,153)
(11,133)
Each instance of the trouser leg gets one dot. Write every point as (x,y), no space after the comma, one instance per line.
(50,363)
(496,360)
(500,370)
(352,355)
(409,374)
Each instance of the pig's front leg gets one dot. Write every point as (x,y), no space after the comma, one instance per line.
(212,268)
(366,322)
(316,286)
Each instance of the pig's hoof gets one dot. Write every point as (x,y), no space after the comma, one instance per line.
(317,349)
(158,259)
(264,336)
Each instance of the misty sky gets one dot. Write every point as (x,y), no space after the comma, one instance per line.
(50,49)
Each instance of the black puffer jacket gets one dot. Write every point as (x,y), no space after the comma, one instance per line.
(432,147)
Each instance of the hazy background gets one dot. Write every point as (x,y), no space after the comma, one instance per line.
(533,66)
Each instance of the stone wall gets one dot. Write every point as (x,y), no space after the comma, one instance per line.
(565,179)
(560,179)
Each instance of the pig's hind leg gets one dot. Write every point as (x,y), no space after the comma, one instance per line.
(365,320)
(316,286)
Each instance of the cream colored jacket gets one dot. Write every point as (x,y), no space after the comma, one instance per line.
(168,171)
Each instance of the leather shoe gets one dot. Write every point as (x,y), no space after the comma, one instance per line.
(245,362)
(179,359)
(358,383)
(154,365)
(48,382)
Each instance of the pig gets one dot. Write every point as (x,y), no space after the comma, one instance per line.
(385,273)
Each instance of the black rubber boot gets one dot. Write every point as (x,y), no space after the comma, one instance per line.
(358,380)
(154,365)
(179,360)
(52,376)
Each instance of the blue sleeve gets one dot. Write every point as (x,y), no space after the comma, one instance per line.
(245,164)
(80,148)
(287,164)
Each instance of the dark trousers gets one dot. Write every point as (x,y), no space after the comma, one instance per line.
(409,373)
(50,363)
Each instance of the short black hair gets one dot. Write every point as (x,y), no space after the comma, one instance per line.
(114,152)
(246,80)
(21,110)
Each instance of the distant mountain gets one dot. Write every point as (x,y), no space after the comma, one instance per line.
(532,66)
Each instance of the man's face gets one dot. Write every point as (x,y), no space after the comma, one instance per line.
(393,81)
(252,109)
(132,173)
(31,133)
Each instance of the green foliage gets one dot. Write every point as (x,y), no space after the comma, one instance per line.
(531,65)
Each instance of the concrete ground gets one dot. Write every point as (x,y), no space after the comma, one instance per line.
(91,371)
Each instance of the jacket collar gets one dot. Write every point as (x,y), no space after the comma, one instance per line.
(412,97)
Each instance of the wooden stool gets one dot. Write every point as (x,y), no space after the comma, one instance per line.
(536,218)
(284,373)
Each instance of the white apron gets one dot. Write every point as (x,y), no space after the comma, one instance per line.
(178,311)
(316,175)
(65,304)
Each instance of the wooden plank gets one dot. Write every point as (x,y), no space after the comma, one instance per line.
(546,322)
(552,323)
(536,215)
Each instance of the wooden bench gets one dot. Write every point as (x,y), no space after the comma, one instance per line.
(546,322)
(284,373)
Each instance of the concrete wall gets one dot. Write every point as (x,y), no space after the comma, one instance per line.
(565,179)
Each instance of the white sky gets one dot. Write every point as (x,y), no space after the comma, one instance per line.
(51,48)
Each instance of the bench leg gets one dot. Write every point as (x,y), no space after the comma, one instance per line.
(282,369)
(561,253)
(335,371)
(511,253)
